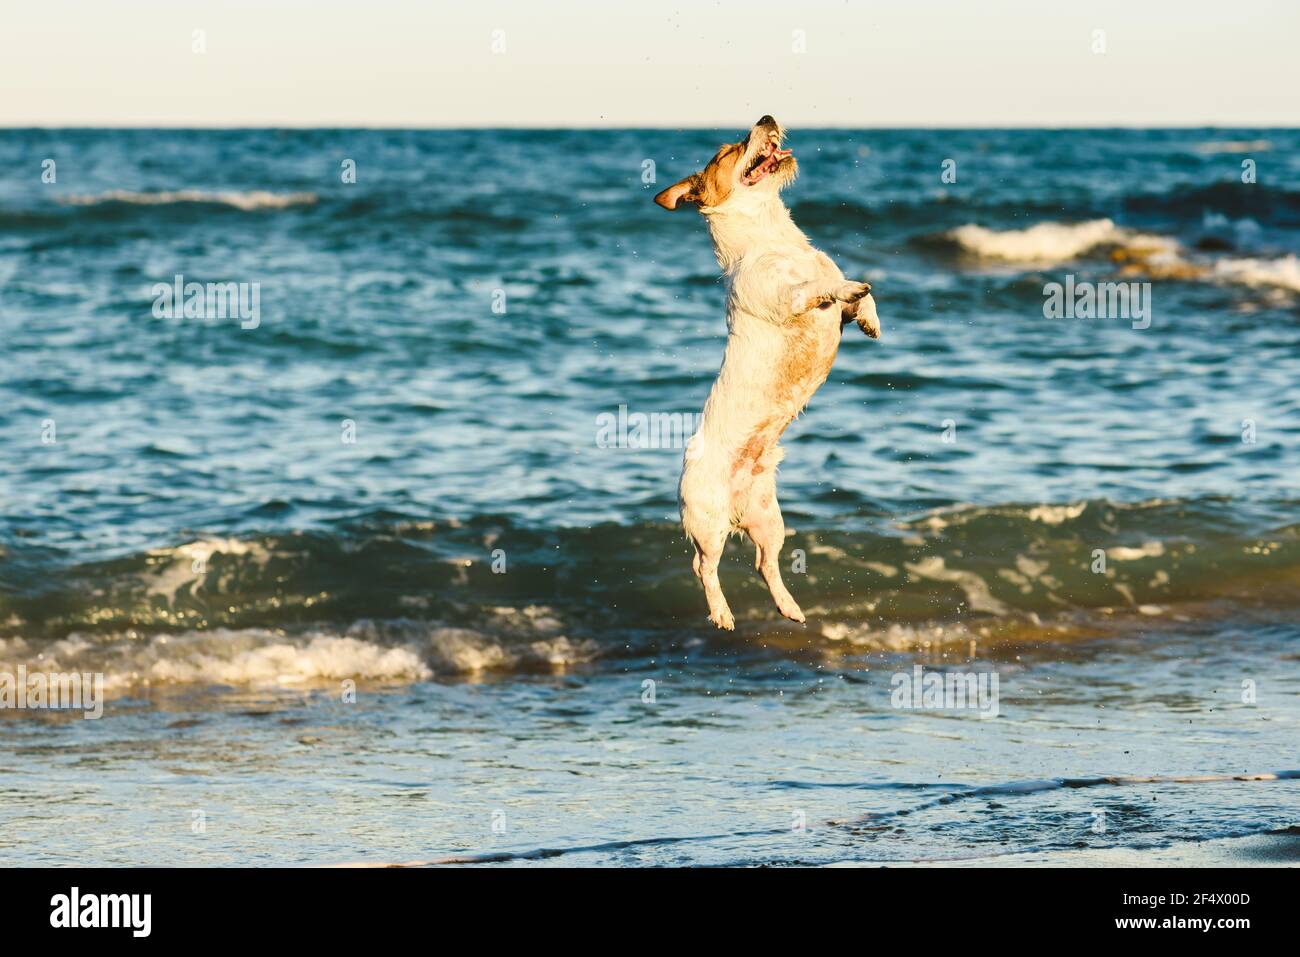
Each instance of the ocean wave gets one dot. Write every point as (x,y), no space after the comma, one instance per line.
(394,598)
(395,652)
(1050,242)
(1281,273)
(1277,275)
(247,200)
(1189,204)
(1135,254)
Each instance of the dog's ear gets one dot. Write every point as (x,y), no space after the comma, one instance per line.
(683,192)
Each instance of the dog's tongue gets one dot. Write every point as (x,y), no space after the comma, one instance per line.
(769,163)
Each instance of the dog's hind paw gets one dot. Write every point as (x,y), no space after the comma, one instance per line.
(788,607)
(723,619)
(793,612)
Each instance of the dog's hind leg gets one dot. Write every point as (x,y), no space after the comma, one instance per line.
(766,528)
(708,552)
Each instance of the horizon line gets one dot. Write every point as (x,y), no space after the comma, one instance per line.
(544,127)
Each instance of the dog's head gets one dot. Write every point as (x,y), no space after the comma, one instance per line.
(753,168)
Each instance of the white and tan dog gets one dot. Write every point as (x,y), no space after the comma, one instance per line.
(786,305)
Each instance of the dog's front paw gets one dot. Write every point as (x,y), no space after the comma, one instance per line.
(866,317)
(852,291)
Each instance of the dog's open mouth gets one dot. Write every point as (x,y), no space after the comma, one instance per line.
(769,158)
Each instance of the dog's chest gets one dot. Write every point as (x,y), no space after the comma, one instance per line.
(781,356)
(811,342)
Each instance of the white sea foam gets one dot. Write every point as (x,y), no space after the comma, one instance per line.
(1282,273)
(255,657)
(954,516)
(271,660)
(1158,256)
(1056,514)
(391,652)
(187,564)
(1060,242)
(245,200)
(1119,553)
(1045,242)
(895,637)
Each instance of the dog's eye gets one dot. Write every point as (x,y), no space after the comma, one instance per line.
(824,305)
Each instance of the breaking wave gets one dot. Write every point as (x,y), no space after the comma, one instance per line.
(1132,253)
(1282,273)
(397,601)
(369,652)
(1048,242)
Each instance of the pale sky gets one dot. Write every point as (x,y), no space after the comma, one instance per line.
(712,63)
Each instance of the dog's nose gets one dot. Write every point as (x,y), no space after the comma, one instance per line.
(766,120)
